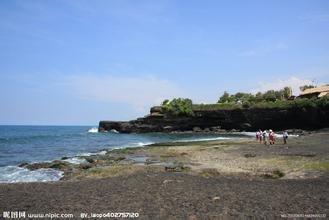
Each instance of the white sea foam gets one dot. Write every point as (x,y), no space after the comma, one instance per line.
(93,130)
(76,160)
(290,135)
(139,144)
(85,154)
(114,131)
(204,139)
(103,152)
(253,134)
(13,174)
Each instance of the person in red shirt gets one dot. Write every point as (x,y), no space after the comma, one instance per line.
(271,137)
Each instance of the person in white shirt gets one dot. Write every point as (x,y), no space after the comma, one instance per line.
(285,136)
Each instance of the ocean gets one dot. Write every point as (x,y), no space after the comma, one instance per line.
(29,144)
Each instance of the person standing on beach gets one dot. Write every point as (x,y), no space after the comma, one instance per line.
(260,136)
(257,136)
(285,136)
(271,137)
(265,135)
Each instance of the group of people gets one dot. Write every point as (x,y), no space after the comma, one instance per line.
(269,136)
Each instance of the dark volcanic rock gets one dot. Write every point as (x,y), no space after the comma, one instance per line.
(23,164)
(56,164)
(215,120)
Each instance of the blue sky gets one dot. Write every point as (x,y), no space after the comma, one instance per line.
(77,62)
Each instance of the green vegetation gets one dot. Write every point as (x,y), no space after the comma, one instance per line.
(269,96)
(276,174)
(280,99)
(180,106)
(282,104)
(110,171)
(303,88)
(318,165)
(209,172)
(218,106)
(59,165)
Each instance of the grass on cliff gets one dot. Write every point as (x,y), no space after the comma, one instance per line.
(322,102)
(189,110)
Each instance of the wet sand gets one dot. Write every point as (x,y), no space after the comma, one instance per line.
(197,180)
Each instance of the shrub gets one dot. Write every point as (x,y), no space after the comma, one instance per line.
(165,102)
(323,101)
(179,106)
(268,96)
(212,107)
(246,104)
(303,88)
(269,99)
(224,98)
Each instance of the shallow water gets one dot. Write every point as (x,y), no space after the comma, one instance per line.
(28,144)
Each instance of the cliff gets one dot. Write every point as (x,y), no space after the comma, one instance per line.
(309,118)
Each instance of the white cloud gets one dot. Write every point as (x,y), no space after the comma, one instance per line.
(141,92)
(293,82)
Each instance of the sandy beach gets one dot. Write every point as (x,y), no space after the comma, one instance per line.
(187,180)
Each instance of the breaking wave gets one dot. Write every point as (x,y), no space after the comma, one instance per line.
(14,174)
(93,130)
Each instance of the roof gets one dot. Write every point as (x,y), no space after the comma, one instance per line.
(323,90)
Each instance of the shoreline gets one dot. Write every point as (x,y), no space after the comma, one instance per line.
(187,180)
(171,156)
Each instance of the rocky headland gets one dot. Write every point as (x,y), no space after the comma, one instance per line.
(240,119)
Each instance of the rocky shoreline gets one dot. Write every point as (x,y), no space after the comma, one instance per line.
(187,180)
(243,156)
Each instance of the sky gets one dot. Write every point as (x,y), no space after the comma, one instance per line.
(75,62)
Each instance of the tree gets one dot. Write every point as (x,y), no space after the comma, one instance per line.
(287,92)
(270,96)
(304,87)
(179,106)
(224,98)
(165,102)
(259,97)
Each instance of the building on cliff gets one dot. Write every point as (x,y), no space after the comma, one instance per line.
(315,92)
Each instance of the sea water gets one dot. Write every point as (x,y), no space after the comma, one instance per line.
(29,144)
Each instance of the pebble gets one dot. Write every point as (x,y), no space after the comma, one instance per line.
(216,198)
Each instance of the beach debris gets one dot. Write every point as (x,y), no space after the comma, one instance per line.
(209,172)
(216,198)
(85,166)
(275,174)
(176,168)
(249,155)
(167,181)
(89,160)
